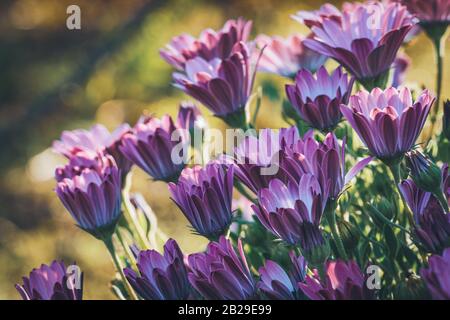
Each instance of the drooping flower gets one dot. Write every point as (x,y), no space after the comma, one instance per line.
(292,212)
(388,122)
(53,282)
(437,275)
(344,281)
(161,276)
(150,146)
(364,37)
(432,223)
(257,159)
(223,86)
(96,139)
(318,99)
(204,195)
(92,195)
(325,160)
(275,283)
(210,45)
(286,56)
(220,274)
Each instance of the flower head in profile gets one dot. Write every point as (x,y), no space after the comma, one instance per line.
(275,283)
(92,195)
(344,280)
(285,56)
(317,99)
(96,139)
(437,275)
(429,12)
(51,282)
(364,38)
(151,144)
(204,195)
(325,160)
(388,122)
(161,276)
(292,212)
(222,86)
(257,159)
(210,45)
(221,274)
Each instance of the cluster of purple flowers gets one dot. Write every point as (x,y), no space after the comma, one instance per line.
(294,181)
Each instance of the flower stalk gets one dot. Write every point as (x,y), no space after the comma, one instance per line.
(108,241)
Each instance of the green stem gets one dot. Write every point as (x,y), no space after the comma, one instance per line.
(243,191)
(258,106)
(395,171)
(331,219)
(125,247)
(108,241)
(439,48)
(130,214)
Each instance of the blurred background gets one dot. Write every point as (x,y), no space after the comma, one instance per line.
(54,79)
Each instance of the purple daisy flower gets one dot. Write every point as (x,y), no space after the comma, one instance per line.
(223,86)
(220,274)
(429,12)
(437,275)
(96,139)
(210,45)
(364,38)
(344,281)
(275,283)
(204,195)
(162,277)
(292,212)
(318,99)
(285,56)
(53,282)
(256,159)
(150,147)
(325,160)
(92,195)
(432,223)
(388,122)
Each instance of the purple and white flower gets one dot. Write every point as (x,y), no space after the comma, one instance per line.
(317,99)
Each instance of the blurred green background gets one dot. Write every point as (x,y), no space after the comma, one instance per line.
(52,79)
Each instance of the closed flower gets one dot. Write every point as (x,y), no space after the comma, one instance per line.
(161,277)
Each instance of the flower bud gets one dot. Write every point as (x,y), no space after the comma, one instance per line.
(349,234)
(386,208)
(423,171)
(412,289)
